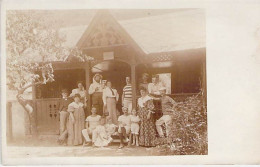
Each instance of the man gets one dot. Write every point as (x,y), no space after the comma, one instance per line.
(63,108)
(153,88)
(127,95)
(167,108)
(92,122)
(124,127)
(96,90)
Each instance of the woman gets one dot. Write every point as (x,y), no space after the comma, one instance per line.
(76,121)
(110,98)
(81,91)
(147,133)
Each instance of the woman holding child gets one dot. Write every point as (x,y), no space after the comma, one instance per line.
(147,134)
(76,121)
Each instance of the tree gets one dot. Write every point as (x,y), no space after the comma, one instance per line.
(32,44)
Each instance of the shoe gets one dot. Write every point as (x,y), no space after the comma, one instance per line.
(126,140)
(121,146)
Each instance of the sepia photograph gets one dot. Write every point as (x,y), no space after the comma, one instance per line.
(106,82)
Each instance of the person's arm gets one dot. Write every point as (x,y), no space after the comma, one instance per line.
(149,88)
(91,89)
(123,95)
(73,92)
(104,97)
(71,110)
(87,124)
(117,95)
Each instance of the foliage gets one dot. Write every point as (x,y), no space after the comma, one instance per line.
(188,131)
(32,44)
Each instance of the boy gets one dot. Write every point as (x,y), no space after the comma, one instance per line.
(63,107)
(124,122)
(92,122)
(167,108)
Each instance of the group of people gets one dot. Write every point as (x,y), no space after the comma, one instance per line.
(136,127)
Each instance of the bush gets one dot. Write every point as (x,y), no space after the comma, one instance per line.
(188,131)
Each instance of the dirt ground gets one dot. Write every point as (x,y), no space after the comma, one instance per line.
(47,146)
(79,151)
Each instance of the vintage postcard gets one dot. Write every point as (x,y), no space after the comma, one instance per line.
(105,83)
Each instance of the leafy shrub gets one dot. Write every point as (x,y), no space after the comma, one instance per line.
(188,131)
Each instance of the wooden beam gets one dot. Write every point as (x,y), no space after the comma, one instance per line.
(88,80)
(133,83)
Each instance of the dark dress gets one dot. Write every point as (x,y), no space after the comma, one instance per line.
(147,134)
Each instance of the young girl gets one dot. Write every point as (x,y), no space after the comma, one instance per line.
(100,136)
(135,127)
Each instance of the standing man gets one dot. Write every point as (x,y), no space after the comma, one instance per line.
(63,108)
(127,95)
(96,90)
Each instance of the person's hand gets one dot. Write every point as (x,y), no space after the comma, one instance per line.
(149,115)
(96,89)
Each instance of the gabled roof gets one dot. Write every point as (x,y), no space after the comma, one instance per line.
(182,30)
(105,31)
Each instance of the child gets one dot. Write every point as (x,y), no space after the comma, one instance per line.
(110,127)
(135,127)
(100,136)
(92,122)
(124,126)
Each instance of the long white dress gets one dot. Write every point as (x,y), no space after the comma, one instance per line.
(102,137)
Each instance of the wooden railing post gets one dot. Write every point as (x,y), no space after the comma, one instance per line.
(9,128)
(87,78)
(133,83)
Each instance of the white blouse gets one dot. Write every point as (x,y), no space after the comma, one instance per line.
(107,92)
(74,105)
(142,100)
(82,92)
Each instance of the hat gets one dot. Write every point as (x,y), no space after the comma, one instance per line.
(162,88)
(97,74)
(124,108)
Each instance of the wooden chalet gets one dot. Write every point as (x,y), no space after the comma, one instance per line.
(117,55)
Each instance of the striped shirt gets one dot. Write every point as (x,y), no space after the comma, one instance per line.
(127,90)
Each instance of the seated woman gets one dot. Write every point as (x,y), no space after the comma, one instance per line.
(92,122)
(101,137)
(124,122)
(76,121)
